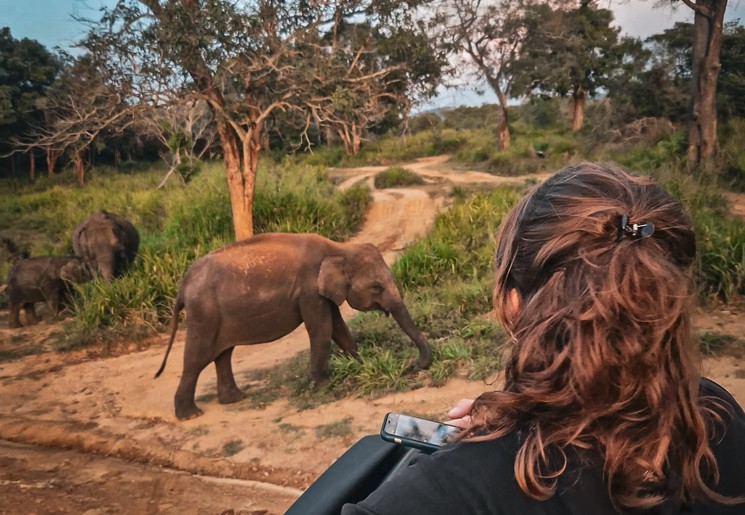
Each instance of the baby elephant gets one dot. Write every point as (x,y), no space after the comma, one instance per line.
(260,289)
(108,241)
(42,279)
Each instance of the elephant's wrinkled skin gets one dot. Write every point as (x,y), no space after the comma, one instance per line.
(41,279)
(260,289)
(108,241)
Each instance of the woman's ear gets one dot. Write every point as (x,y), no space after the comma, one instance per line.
(512,306)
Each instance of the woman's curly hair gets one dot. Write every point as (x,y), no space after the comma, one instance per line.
(603,357)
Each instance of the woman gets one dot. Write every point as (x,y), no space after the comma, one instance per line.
(603,409)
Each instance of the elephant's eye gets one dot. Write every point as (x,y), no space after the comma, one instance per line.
(377,288)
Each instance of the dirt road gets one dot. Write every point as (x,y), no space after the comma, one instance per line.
(97,435)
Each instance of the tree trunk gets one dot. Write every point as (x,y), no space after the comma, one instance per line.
(31,167)
(79,166)
(503,127)
(707,41)
(328,135)
(578,104)
(346,138)
(51,156)
(356,138)
(240,193)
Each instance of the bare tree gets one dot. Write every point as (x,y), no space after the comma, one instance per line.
(353,85)
(485,38)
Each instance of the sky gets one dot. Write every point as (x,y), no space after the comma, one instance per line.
(51,23)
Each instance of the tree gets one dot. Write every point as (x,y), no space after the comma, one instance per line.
(27,69)
(708,23)
(366,74)
(245,60)
(490,37)
(668,74)
(81,106)
(567,51)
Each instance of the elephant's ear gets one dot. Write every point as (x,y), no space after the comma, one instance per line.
(333,283)
(68,272)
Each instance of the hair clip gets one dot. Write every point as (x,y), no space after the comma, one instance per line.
(635,230)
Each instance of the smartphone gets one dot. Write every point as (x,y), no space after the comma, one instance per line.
(420,433)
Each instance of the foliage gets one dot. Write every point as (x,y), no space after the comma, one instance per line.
(532,151)
(713,344)
(27,69)
(731,155)
(567,52)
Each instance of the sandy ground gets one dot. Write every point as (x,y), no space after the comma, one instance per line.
(82,433)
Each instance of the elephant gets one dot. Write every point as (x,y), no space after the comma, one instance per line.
(109,241)
(42,279)
(259,289)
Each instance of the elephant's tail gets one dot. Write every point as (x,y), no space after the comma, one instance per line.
(177,307)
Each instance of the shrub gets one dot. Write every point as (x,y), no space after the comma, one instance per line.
(395,177)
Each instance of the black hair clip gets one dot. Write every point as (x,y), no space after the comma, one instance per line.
(635,230)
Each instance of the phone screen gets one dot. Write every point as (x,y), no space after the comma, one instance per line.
(421,430)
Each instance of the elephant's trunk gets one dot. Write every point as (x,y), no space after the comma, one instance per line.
(107,266)
(402,316)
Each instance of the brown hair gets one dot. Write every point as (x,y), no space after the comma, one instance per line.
(603,356)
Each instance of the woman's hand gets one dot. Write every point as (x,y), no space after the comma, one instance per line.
(459,413)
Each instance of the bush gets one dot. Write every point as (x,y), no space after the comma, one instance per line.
(395,177)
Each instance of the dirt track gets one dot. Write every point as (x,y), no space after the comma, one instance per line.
(124,447)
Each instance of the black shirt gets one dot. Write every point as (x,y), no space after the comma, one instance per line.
(478,478)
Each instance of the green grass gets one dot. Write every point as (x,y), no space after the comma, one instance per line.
(716,344)
(461,243)
(340,428)
(232,448)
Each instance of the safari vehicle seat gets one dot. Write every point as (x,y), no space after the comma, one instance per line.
(351,478)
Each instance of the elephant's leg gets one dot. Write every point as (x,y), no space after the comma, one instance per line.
(341,334)
(227,391)
(319,323)
(195,360)
(14,312)
(30,312)
(53,300)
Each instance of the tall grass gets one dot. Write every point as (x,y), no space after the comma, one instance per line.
(461,244)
